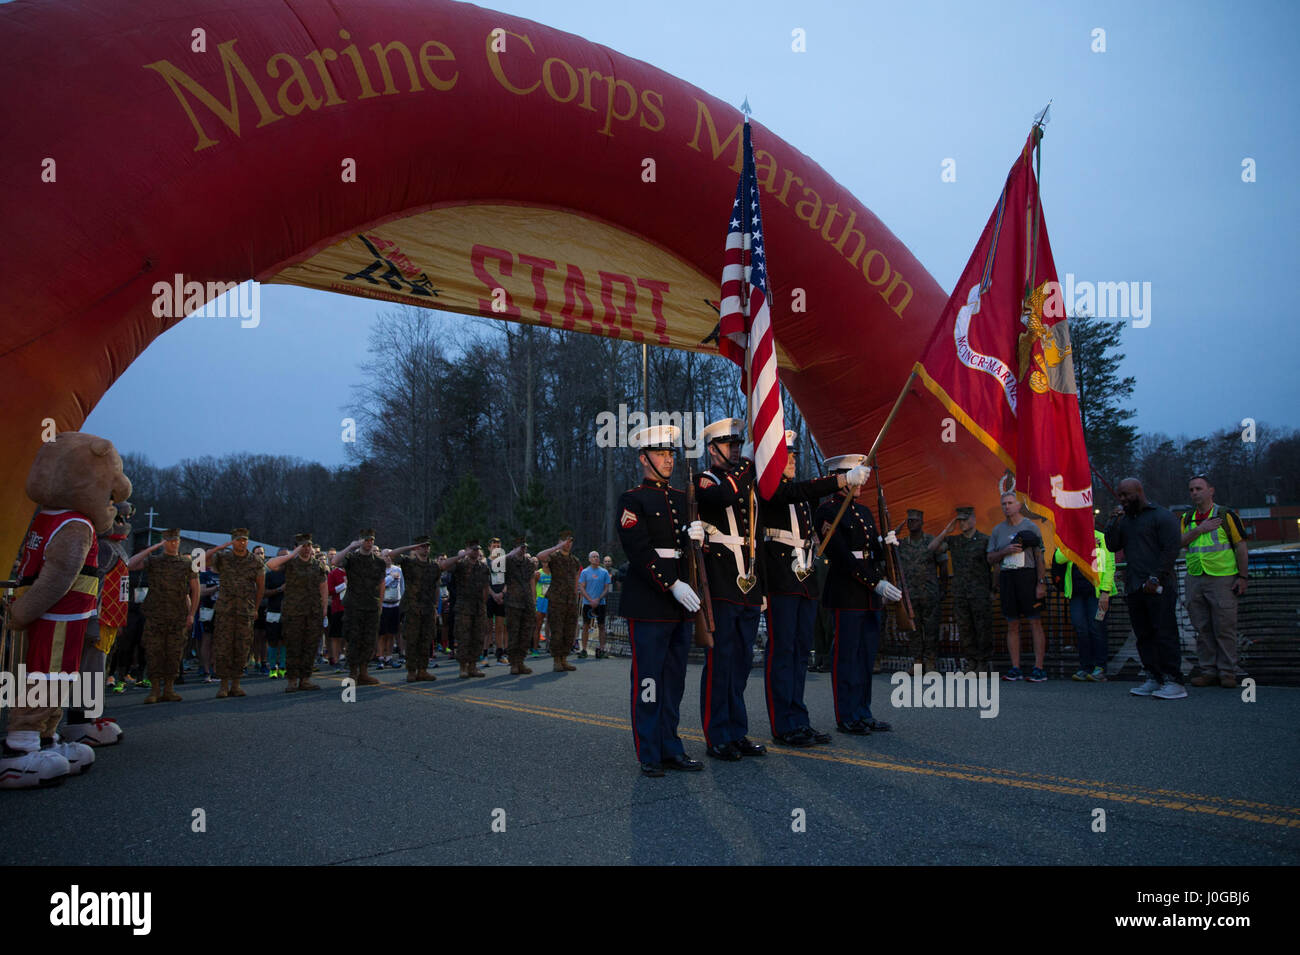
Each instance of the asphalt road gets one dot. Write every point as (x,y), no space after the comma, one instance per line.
(418,774)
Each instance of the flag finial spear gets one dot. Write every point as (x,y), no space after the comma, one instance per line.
(744,108)
(1043,117)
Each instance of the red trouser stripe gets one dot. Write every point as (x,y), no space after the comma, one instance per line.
(636,686)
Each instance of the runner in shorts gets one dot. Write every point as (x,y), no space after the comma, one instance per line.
(593,584)
(1016,547)
(542,580)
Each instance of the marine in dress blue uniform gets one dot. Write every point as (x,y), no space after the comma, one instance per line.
(723,496)
(792,596)
(855,593)
(657,601)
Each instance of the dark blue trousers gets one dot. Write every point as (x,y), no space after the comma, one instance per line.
(790,621)
(659,649)
(726,671)
(1090,632)
(857,637)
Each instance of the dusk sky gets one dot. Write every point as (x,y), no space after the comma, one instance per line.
(1142,182)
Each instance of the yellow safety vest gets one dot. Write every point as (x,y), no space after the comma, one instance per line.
(1210,553)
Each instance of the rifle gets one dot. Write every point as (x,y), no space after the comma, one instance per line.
(893,566)
(699,574)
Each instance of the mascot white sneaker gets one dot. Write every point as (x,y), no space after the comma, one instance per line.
(80,757)
(101,732)
(26,768)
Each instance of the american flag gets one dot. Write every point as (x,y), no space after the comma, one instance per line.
(745,327)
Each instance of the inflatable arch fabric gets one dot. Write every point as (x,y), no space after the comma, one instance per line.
(425,153)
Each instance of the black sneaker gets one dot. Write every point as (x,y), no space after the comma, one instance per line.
(582,654)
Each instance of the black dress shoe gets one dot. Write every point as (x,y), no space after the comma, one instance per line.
(747,747)
(855,729)
(724,751)
(793,738)
(878,726)
(682,763)
(652,769)
(817,736)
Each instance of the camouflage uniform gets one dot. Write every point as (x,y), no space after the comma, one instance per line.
(419,608)
(923,589)
(165,614)
(232,624)
(562,607)
(521,608)
(471,612)
(361,605)
(971,587)
(301,615)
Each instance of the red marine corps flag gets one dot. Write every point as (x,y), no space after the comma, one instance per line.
(745,327)
(1000,362)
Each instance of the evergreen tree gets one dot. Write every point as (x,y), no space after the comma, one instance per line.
(535,515)
(1103,394)
(463,517)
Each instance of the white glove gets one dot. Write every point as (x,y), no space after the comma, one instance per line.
(695,531)
(892,538)
(889,591)
(857,476)
(686,596)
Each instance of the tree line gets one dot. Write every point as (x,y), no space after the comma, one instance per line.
(483,428)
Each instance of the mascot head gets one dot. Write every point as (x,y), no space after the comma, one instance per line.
(82,472)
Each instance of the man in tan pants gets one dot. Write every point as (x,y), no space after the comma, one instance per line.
(1217,565)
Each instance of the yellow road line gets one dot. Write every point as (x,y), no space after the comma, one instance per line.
(1285,816)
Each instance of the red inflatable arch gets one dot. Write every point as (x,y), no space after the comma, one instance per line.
(424,153)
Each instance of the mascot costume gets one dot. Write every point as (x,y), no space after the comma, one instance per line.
(77,480)
(102,630)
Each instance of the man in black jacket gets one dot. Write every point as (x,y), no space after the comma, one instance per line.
(1149,537)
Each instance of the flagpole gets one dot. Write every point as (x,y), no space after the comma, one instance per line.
(746,258)
(1037,133)
(871,456)
(746,255)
